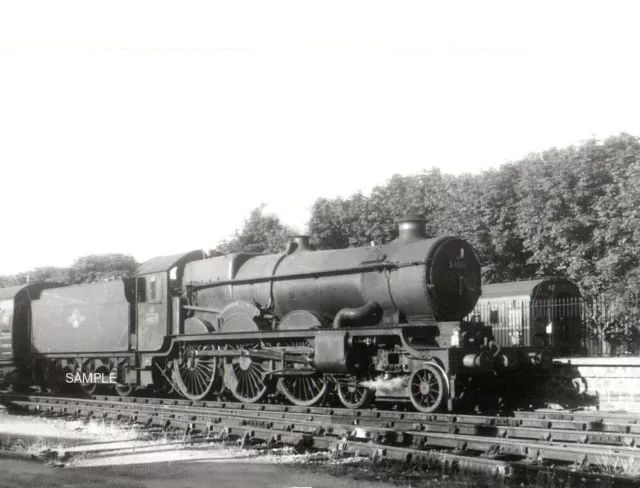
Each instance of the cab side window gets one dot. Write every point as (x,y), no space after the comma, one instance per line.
(154,288)
(141,286)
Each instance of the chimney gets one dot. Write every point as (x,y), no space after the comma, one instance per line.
(411,228)
(300,244)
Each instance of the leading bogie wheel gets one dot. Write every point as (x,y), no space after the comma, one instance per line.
(427,388)
(124,390)
(194,374)
(354,396)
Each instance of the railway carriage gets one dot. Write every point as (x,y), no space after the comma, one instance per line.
(533,313)
(381,322)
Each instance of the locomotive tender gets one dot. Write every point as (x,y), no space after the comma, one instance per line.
(381,322)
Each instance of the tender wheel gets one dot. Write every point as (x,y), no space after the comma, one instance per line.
(92,389)
(194,375)
(243,376)
(125,390)
(19,388)
(303,391)
(354,396)
(89,388)
(427,388)
(57,383)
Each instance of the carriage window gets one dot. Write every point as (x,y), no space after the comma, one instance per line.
(155,288)
(494,317)
(5,322)
(6,312)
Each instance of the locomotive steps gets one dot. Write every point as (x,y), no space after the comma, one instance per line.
(561,441)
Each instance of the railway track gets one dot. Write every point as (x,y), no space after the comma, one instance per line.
(589,444)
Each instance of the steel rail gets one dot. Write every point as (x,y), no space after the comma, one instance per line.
(576,429)
(280,434)
(596,422)
(203,419)
(578,432)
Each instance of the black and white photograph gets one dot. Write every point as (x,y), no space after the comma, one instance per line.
(300,244)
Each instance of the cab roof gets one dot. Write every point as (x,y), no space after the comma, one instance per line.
(520,288)
(165,263)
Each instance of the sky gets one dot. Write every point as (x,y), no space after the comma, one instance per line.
(152,127)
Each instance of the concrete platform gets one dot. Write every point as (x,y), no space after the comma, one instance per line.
(613,381)
(601,361)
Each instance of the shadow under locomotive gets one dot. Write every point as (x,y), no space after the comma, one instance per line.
(381,323)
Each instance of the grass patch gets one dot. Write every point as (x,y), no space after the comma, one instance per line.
(625,466)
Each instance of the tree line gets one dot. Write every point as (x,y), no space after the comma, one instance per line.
(86,269)
(572,212)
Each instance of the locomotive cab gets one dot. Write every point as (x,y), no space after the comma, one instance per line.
(158,281)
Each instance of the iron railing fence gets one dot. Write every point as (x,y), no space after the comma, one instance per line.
(573,326)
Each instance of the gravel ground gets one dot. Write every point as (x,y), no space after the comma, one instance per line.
(225,474)
(63,429)
(160,464)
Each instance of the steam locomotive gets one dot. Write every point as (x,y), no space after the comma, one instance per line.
(380,323)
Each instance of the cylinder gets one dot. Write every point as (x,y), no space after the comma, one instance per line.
(507,360)
(482,361)
(543,359)
(332,352)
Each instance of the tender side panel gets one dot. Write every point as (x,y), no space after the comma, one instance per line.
(87,318)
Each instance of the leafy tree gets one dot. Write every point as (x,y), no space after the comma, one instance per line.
(102,267)
(618,216)
(37,275)
(422,194)
(87,269)
(501,246)
(333,223)
(569,212)
(13,280)
(360,220)
(577,212)
(50,274)
(260,233)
